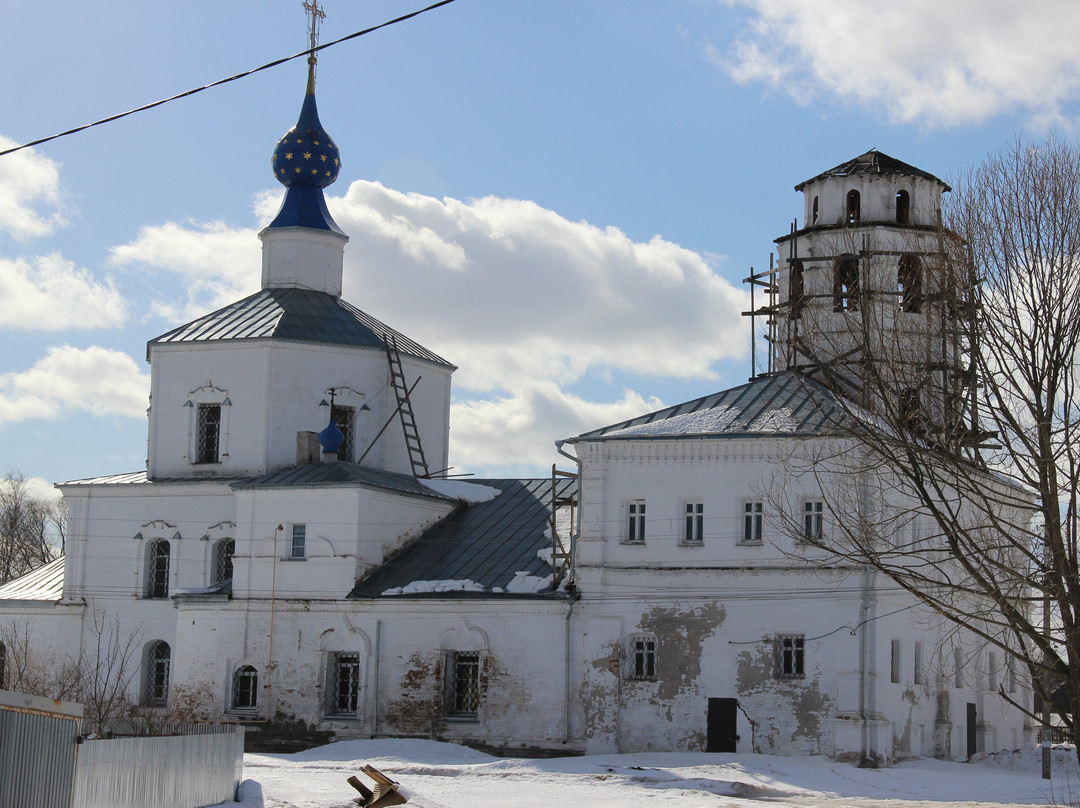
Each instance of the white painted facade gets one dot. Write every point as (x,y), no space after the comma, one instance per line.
(662,639)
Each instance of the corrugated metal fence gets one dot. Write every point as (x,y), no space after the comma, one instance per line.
(179,771)
(42,765)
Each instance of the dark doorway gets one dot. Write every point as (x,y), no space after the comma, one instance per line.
(971,735)
(721,735)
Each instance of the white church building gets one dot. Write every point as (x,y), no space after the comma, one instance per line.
(289,556)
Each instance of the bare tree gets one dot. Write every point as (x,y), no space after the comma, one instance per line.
(108,665)
(32,528)
(955,469)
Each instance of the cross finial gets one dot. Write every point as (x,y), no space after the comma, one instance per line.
(317,15)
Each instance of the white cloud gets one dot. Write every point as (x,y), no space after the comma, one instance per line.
(218,264)
(922,61)
(30,203)
(48,293)
(97,380)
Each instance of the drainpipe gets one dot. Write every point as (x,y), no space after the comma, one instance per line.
(864,663)
(375,689)
(571,598)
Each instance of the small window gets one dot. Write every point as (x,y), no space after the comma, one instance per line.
(846,284)
(344,683)
(158,660)
(642,657)
(157,569)
(813,517)
(918,664)
(208,433)
(790,652)
(894,662)
(635,523)
(695,523)
(1010,672)
(224,551)
(958,671)
(463,684)
(903,207)
(796,290)
(909,284)
(814,212)
(245,688)
(753,515)
(343,418)
(298,549)
(854,212)
(992,670)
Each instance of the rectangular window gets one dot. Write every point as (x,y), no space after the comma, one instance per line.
(695,523)
(992,670)
(791,656)
(299,541)
(1010,673)
(463,684)
(752,522)
(643,658)
(918,664)
(894,662)
(813,514)
(208,433)
(635,524)
(344,683)
(343,420)
(958,673)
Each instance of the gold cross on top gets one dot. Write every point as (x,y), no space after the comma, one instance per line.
(317,15)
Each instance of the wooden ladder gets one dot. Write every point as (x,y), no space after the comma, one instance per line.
(405,410)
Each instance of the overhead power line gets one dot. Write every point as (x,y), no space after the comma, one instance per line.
(219,82)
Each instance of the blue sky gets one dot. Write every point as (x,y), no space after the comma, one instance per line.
(561,198)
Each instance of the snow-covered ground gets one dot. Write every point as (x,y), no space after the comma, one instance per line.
(440,775)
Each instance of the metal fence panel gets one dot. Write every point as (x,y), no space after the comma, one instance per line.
(187,771)
(37,757)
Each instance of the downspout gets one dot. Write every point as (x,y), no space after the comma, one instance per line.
(865,707)
(571,599)
(572,596)
(375,689)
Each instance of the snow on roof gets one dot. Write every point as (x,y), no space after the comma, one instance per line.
(44,583)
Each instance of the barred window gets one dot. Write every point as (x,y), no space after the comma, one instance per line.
(642,657)
(635,524)
(463,684)
(753,522)
(695,523)
(224,551)
(245,688)
(158,662)
(790,652)
(157,569)
(813,516)
(342,418)
(208,433)
(344,683)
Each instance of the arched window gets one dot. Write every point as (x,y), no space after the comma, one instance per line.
(796,290)
(245,688)
(903,207)
(909,283)
(814,214)
(158,660)
(344,690)
(157,569)
(224,551)
(853,207)
(846,283)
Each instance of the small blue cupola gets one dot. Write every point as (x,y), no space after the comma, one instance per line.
(331,438)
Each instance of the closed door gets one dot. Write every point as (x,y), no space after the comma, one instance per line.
(972,740)
(721,735)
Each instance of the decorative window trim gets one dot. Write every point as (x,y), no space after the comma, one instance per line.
(343,684)
(641,657)
(464,685)
(693,522)
(635,522)
(789,651)
(208,394)
(158,566)
(753,523)
(221,560)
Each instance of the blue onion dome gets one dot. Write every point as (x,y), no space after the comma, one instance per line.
(331,438)
(306,155)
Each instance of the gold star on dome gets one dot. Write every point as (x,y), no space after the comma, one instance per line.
(335,161)
(307,155)
(322,157)
(299,140)
(328,174)
(315,142)
(298,169)
(288,155)
(314,171)
(282,171)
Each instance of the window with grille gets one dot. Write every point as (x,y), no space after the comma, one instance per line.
(158,661)
(224,551)
(298,548)
(463,680)
(642,657)
(695,523)
(344,683)
(245,688)
(753,522)
(208,433)
(790,656)
(343,418)
(157,569)
(635,523)
(813,517)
